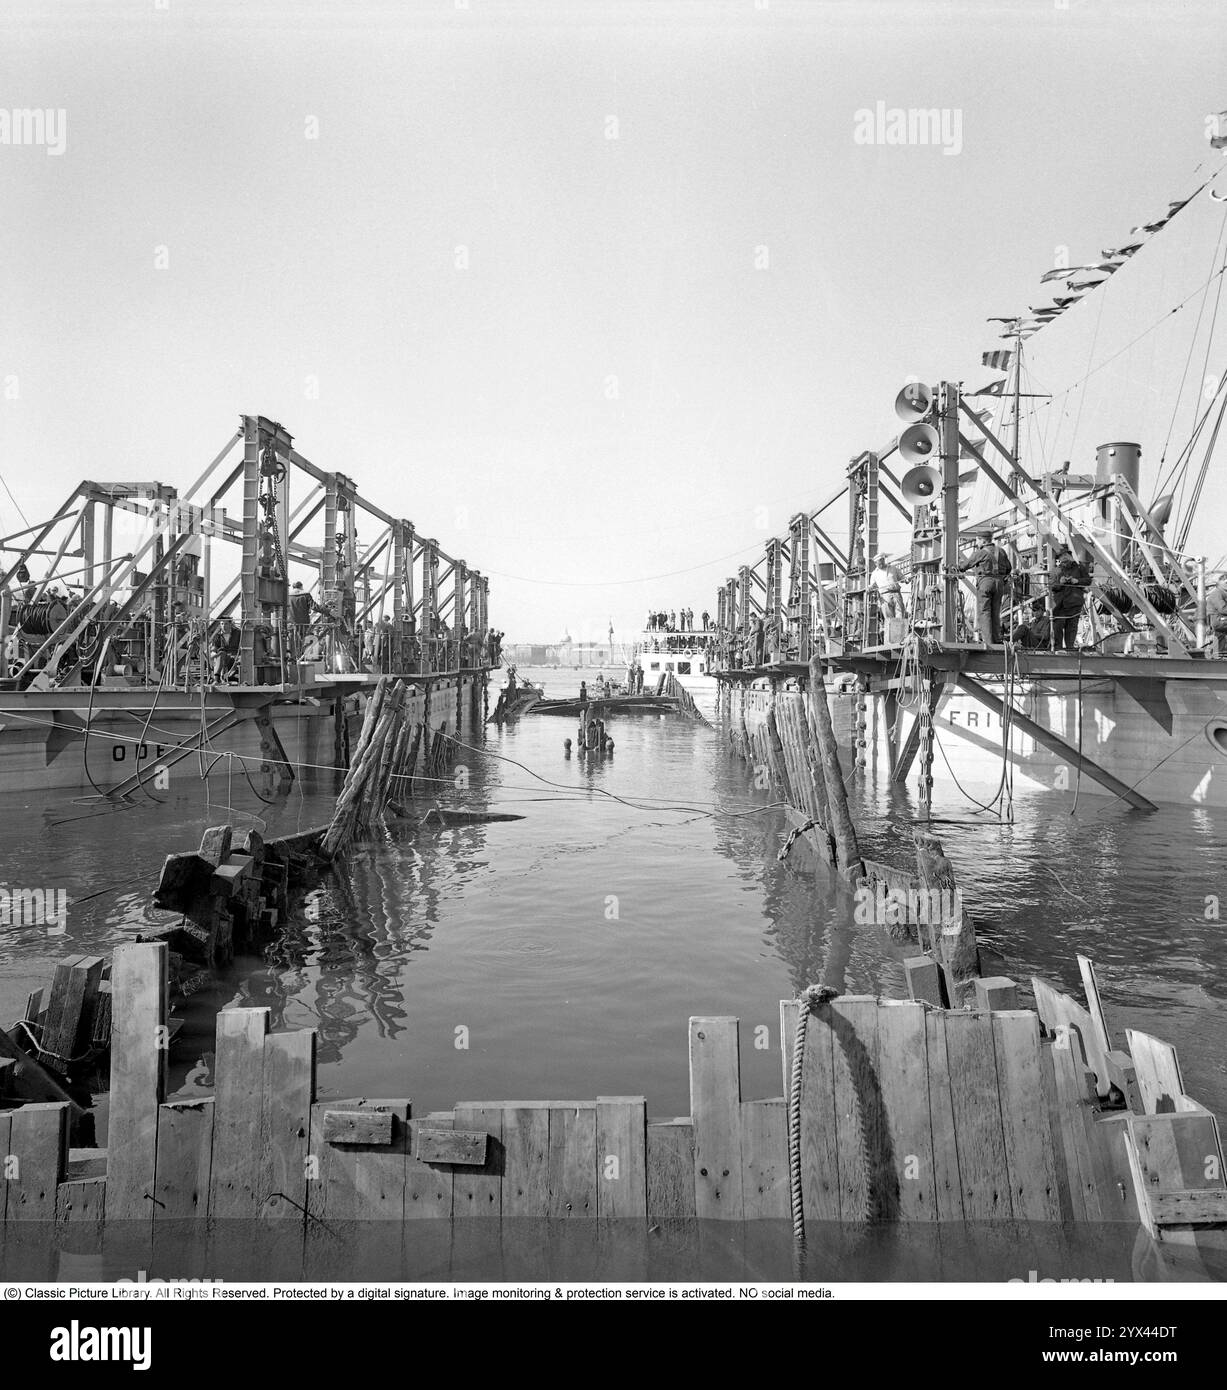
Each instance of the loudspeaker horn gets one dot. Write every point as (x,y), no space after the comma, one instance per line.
(918,444)
(920,485)
(914,402)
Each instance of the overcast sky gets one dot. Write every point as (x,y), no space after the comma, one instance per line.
(581,288)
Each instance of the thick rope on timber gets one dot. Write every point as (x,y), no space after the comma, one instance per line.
(840,823)
(811,1000)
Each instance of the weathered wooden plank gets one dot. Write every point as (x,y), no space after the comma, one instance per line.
(357,1127)
(621,1155)
(1029,1141)
(1056,1008)
(819,1149)
(1070,1193)
(976,1103)
(359,1182)
(80,1201)
(1157,1069)
(1194,1208)
(1094,1004)
(449,1146)
(903,1073)
(285,1123)
(479,1191)
(1074,1090)
(38,1142)
(428,1185)
(138,1077)
(764,1157)
(6,1148)
(670,1169)
(573,1163)
(526,1146)
(185,1158)
(234,1182)
(715,1109)
(1177,1152)
(859,1121)
(73,984)
(947,1184)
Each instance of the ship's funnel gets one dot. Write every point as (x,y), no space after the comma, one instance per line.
(1125,459)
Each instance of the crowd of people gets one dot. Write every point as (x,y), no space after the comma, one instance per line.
(676,620)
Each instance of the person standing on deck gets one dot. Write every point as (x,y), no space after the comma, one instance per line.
(1216,615)
(706,620)
(992,568)
(885,579)
(1070,581)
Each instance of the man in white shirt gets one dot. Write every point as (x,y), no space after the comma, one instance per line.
(885,579)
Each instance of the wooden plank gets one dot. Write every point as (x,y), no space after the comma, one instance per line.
(764,1157)
(526,1150)
(238,1069)
(819,1149)
(356,1182)
(285,1123)
(715,1109)
(621,1156)
(1194,1208)
(859,1121)
(947,1184)
(428,1187)
(1124,1077)
(63,1032)
(6,1148)
(80,1201)
(1094,1003)
(976,1102)
(1070,1195)
(38,1143)
(1178,1152)
(1157,1069)
(1056,1008)
(138,1077)
(185,1159)
(572,1163)
(670,1169)
(87,1163)
(909,1192)
(1072,1087)
(449,1146)
(1029,1141)
(479,1191)
(357,1127)
(32,1081)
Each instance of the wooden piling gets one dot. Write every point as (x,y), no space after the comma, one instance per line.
(840,824)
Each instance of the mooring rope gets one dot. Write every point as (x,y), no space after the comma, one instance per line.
(810,1001)
(794,836)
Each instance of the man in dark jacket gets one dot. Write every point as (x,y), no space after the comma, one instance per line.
(991,566)
(1070,581)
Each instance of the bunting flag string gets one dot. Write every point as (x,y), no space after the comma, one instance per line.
(1081,279)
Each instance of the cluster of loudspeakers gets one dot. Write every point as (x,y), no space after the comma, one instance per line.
(919,444)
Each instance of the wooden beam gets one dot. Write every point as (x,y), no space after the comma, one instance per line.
(1055,744)
(138,1077)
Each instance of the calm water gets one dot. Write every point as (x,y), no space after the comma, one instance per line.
(560,955)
